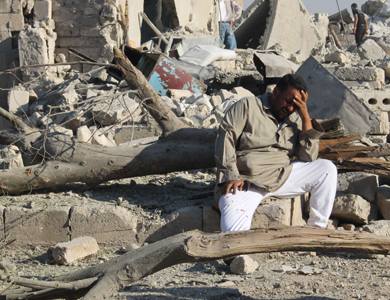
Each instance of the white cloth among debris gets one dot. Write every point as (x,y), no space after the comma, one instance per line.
(203,55)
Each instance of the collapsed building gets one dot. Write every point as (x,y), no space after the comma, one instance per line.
(170,39)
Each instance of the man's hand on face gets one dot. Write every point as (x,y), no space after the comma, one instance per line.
(300,102)
(232,184)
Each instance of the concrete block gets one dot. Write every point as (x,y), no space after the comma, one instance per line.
(210,122)
(224,65)
(369,49)
(356,116)
(18,101)
(10,157)
(184,219)
(299,203)
(376,85)
(69,252)
(272,213)
(33,49)
(364,185)
(15,22)
(194,109)
(382,201)
(43,10)
(375,99)
(99,138)
(383,126)
(380,227)
(113,112)
(215,100)
(243,265)
(354,209)
(10,6)
(84,134)
(360,74)
(37,226)
(126,133)
(211,220)
(111,225)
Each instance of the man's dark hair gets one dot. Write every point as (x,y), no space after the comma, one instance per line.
(354,5)
(292,80)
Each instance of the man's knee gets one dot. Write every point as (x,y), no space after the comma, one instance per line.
(327,166)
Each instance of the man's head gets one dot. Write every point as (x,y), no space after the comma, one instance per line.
(289,87)
(354,6)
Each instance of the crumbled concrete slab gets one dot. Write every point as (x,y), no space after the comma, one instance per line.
(383,127)
(323,86)
(72,251)
(269,19)
(127,133)
(360,74)
(354,209)
(108,224)
(272,213)
(271,65)
(369,49)
(43,10)
(375,99)
(380,227)
(184,219)
(364,185)
(116,110)
(18,101)
(43,226)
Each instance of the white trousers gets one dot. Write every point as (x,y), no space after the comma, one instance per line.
(318,177)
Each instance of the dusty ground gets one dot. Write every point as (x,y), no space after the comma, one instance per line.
(341,276)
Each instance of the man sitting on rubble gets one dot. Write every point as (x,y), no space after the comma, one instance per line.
(360,25)
(256,142)
(229,11)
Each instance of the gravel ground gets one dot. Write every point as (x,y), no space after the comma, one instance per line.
(279,275)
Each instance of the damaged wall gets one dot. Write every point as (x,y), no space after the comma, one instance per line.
(92,28)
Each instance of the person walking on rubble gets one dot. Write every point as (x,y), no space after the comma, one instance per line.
(360,25)
(255,145)
(229,11)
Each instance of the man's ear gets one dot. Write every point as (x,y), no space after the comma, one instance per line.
(275,91)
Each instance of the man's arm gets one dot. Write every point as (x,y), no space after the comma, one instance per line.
(307,150)
(366,25)
(355,23)
(228,135)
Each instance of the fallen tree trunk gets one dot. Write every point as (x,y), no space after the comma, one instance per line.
(100,281)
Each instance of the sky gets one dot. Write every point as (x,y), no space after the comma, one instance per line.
(323,6)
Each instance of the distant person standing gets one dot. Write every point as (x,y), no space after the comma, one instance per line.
(360,25)
(229,11)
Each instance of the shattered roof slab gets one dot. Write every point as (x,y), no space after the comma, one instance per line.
(288,24)
(329,97)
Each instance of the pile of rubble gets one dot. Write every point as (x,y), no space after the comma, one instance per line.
(96,106)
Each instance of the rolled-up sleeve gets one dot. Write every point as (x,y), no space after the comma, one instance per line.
(227,138)
(309,141)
